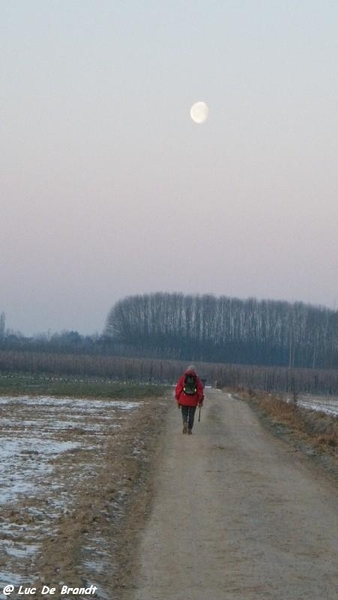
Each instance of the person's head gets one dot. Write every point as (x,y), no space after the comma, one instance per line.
(191,369)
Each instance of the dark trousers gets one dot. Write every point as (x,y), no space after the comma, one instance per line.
(188,415)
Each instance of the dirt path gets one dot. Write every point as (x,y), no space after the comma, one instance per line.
(237,515)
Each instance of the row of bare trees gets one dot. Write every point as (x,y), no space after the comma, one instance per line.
(225,329)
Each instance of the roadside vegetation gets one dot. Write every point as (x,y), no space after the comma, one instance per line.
(314,428)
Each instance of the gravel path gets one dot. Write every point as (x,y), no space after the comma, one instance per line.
(237,515)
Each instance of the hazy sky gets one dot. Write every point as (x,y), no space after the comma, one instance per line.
(108,188)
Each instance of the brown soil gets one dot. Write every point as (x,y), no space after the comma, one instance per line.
(82,522)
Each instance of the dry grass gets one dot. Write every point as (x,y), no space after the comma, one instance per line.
(315,428)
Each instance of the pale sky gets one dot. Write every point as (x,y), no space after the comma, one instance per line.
(108,188)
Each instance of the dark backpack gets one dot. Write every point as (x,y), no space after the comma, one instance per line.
(190,385)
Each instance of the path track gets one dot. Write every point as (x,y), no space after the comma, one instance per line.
(237,515)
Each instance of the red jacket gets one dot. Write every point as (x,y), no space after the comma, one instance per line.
(187,399)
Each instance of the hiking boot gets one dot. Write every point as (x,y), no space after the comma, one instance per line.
(185,428)
(189,431)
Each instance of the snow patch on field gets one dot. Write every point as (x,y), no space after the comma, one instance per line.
(39,440)
(23,461)
(325,404)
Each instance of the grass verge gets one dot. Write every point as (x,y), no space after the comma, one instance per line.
(315,429)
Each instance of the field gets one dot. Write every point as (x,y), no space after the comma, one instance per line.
(75,462)
(325,404)
(78,387)
(70,469)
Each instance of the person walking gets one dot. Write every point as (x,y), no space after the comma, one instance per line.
(189,393)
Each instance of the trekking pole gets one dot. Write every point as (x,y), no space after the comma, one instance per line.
(199,413)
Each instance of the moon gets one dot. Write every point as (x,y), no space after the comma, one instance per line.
(199,112)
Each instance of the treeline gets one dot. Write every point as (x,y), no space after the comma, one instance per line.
(201,328)
(40,365)
(65,342)
(226,330)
